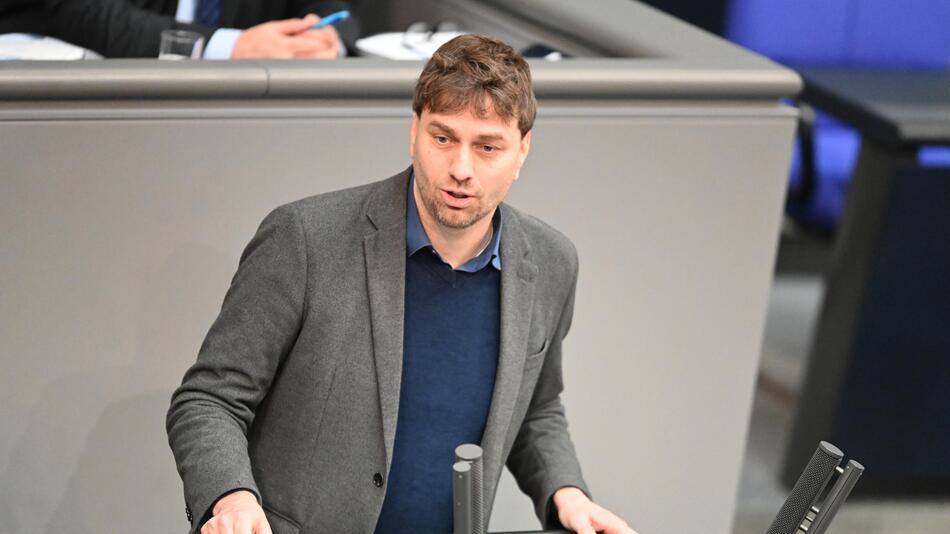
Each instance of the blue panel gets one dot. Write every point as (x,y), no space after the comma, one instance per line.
(837,153)
(934,156)
(791,31)
(905,33)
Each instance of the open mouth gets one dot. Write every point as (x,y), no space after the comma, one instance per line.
(454,199)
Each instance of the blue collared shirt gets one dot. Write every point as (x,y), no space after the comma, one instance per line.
(417,239)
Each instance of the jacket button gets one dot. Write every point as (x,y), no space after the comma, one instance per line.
(378,480)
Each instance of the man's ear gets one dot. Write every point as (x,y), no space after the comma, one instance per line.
(413,132)
(523,148)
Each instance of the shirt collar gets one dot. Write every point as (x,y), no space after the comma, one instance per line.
(417,239)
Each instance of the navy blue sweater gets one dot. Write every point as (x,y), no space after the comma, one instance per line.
(450,356)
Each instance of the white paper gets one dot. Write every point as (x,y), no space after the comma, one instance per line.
(37,47)
(398,45)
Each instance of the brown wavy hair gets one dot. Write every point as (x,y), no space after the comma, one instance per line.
(480,74)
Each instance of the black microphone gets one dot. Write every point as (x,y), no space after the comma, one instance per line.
(836,496)
(812,481)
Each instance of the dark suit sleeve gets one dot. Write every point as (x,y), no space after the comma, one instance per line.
(542,458)
(349,29)
(113,28)
(213,409)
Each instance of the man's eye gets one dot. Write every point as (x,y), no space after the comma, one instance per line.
(488,148)
(441,139)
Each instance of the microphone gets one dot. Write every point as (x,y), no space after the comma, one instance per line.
(468,490)
(462,497)
(839,492)
(799,511)
(805,492)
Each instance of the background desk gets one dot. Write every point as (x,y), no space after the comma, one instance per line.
(877,380)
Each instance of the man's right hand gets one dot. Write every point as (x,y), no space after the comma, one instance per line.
(278,39)
(237,513)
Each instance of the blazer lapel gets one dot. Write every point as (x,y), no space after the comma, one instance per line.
(517,298)
(385,250)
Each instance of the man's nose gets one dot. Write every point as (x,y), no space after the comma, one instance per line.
(461,168)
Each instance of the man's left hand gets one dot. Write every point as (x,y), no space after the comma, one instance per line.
(580,514)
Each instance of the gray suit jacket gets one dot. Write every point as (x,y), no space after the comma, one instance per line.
(295,391)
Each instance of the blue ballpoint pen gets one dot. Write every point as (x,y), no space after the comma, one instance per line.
(333,18)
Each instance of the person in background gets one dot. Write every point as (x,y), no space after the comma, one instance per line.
(233,29)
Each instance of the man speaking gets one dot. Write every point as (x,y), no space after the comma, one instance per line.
(370,331)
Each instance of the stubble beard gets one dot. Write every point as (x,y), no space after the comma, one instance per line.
(446,216)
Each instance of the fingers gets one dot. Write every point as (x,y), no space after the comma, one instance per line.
(229,524)
(304,46)
(594,519)
(619,528)
(295,26)
(287,39)
(238,522)
(321,54)
(328,39)
(328,35)
(316,37)
(606,522)
(581,523)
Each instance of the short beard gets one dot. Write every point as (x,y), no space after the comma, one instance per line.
(433,207)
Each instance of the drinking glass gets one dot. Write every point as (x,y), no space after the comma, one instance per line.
(181,44)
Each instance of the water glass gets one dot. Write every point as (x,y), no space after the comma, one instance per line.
(181,44)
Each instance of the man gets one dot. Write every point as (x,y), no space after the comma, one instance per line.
(235,29)
(370,331)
